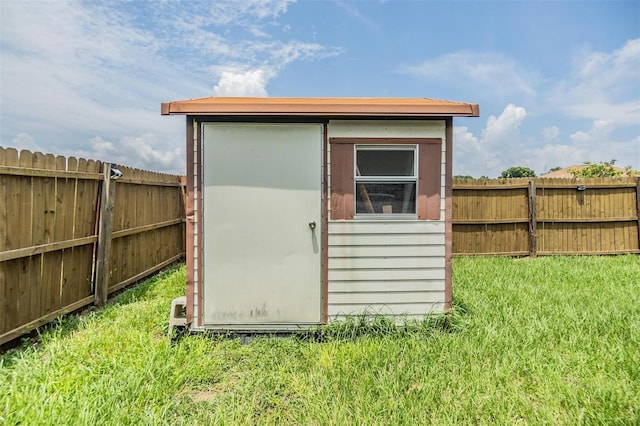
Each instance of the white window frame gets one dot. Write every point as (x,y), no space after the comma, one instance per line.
(382,179)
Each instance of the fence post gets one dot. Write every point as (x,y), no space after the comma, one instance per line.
(638,206)
(105,228)
(531,189)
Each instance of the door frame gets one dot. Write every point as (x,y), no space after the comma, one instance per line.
(194,247)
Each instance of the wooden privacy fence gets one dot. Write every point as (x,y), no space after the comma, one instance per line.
(546,216)
(69,235)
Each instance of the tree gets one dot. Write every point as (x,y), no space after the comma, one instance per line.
(518,172)
(630,172)
(600,170)
(554,169)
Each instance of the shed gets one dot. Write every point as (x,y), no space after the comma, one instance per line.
(301,211)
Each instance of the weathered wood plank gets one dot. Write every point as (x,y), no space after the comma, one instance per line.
(23,225)
(38,291)
(41,172)
(103,255)
(146,228)
(532,218)
(28,327)
(46,248)
(67,291)
(3,242)
(120,285)
(48,228)
(638,209)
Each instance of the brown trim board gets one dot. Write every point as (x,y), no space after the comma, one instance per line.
(429,174)
(325,228)
(448,215)
(200,213)
(189,214)
(323,107)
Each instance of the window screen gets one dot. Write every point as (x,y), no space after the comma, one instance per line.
(385,179)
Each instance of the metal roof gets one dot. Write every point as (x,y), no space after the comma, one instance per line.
(321,107)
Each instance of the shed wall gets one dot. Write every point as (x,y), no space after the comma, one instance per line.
(395,267)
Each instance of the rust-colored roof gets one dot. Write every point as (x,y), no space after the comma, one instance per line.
(324,107)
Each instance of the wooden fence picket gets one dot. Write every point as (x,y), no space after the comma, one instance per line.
(49,211)
(546,216)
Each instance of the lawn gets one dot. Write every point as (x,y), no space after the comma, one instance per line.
(553,340)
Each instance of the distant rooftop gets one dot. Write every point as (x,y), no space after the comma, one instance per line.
(323,107)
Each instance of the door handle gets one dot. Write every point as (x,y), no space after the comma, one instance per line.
(312,225)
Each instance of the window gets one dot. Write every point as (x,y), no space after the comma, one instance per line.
(385,179)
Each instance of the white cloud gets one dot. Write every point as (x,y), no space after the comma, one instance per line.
(487,73)
(143,148)
(246,12)
(550,133)
(250,83)
(501,146)
(25,141)
(496,150)
(87,78)
(357,14)
(602,86)
(504,128)
(600,131)
(596,103)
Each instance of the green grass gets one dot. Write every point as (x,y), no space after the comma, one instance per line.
(552,340)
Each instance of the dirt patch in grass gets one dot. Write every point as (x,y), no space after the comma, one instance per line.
(215,390)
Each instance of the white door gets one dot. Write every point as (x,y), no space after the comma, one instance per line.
(262,224)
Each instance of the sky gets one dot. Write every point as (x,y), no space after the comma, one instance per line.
(558,82)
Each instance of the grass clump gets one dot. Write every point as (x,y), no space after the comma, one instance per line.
(553,340)
(376,325)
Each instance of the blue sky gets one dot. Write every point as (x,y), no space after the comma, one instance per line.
(558,82)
